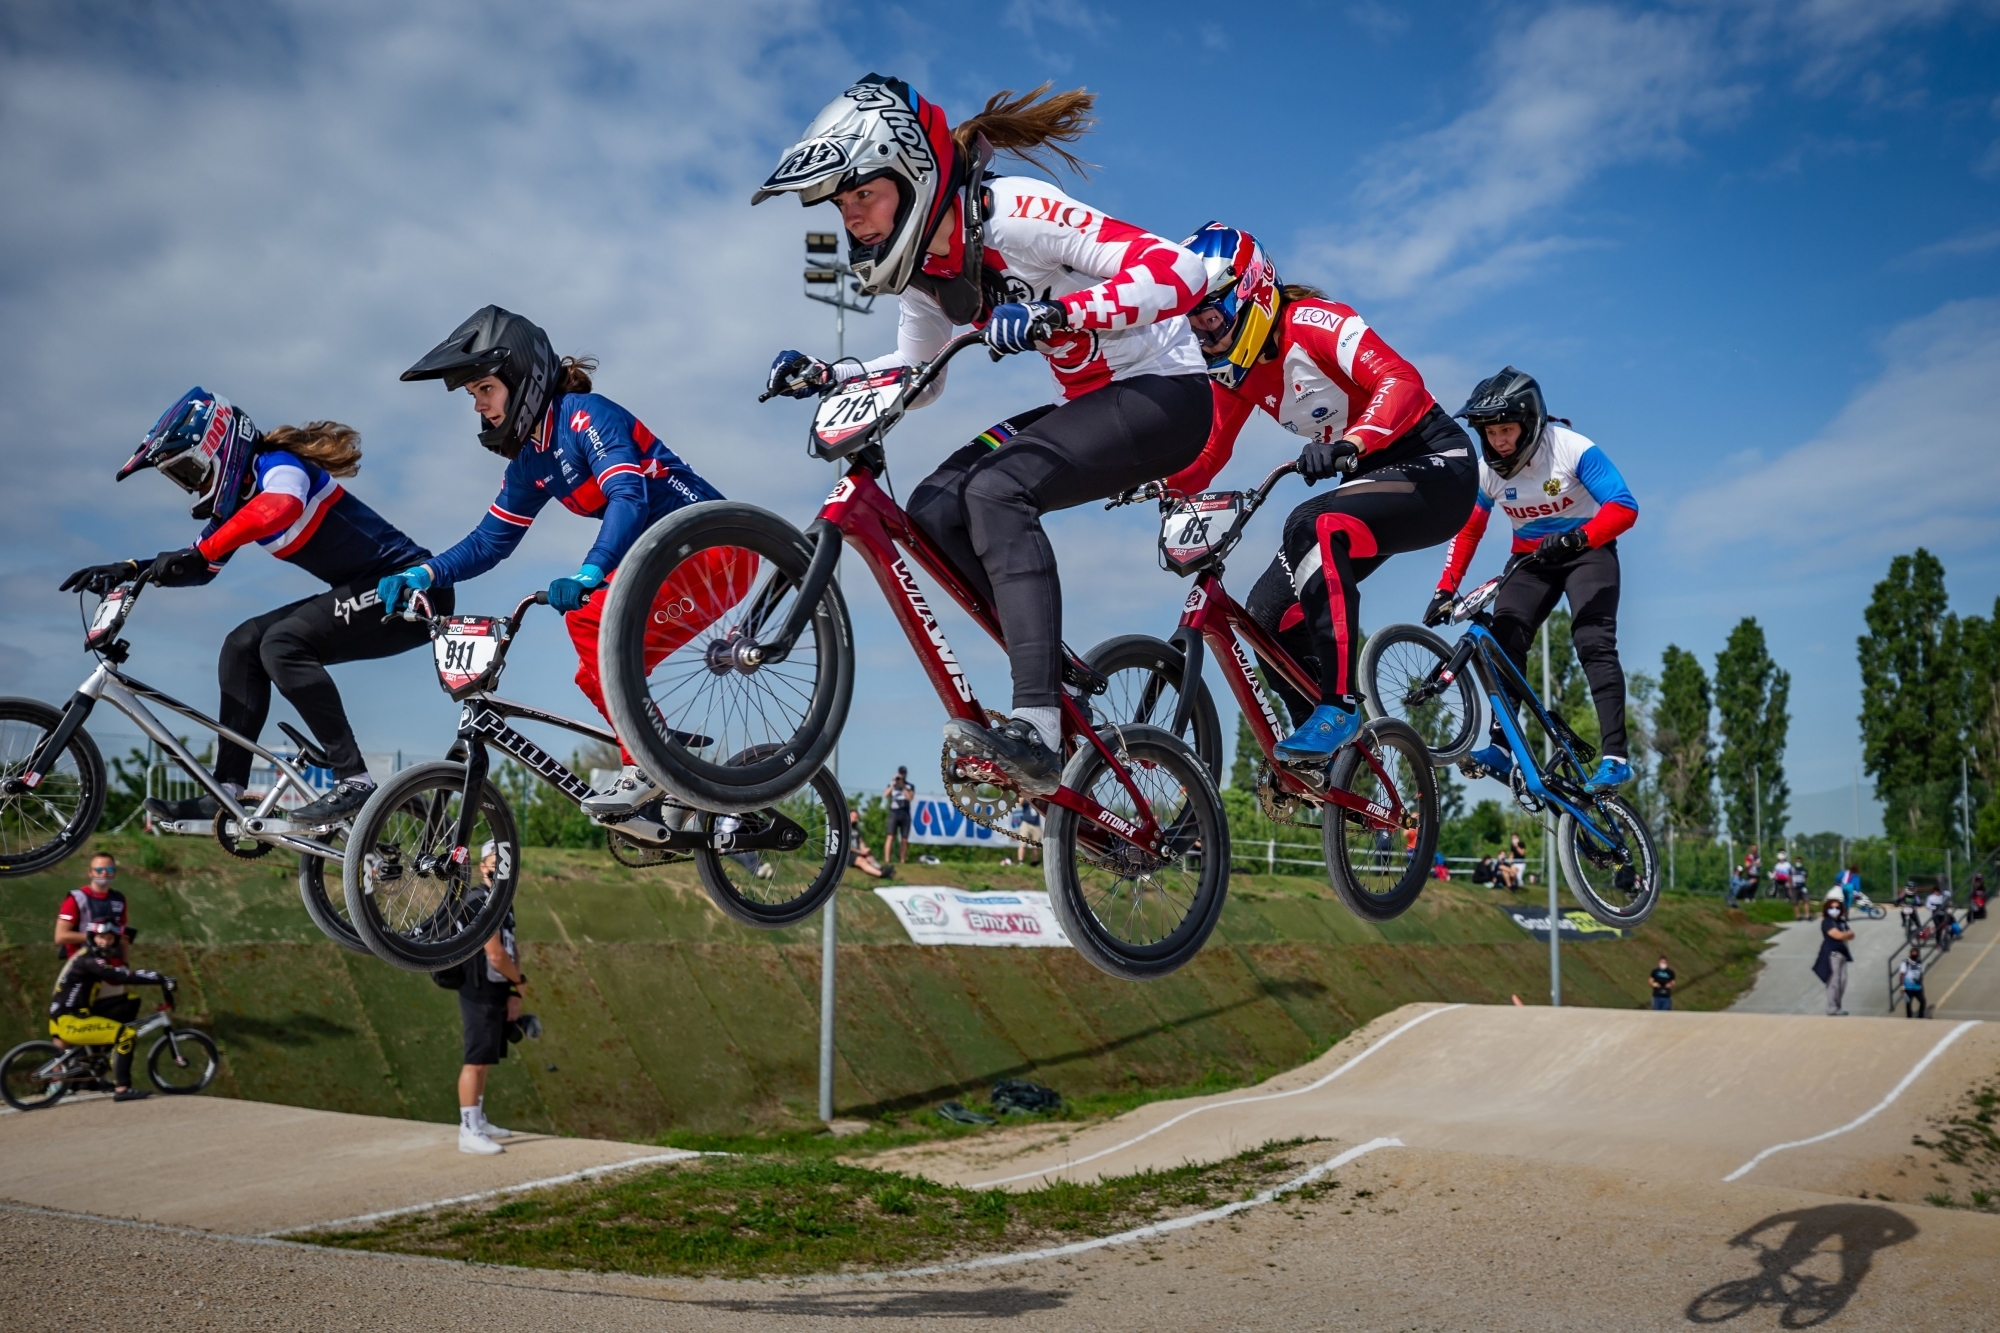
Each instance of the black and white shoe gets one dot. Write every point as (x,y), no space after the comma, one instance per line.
(189,809)
(1014,748)
(629,790)
(338,805)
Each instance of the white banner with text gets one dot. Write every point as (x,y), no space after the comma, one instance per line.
(936,914)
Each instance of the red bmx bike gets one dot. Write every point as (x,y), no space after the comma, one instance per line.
(1136,843)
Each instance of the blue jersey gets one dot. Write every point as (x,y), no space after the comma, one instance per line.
(299,513)
(601,462)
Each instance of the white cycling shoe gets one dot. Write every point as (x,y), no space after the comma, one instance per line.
(472,1141)
(632,790)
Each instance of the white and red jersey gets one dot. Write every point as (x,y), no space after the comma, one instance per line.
(1333,376)
(1568,483)
(1126,291)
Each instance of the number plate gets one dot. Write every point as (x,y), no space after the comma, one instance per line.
(110,617)
(466,649)
(844,415)
(1196,526)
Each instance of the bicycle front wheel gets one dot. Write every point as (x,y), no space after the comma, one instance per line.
(414,898)
(183,1062)
(1379,872)
(1396,663)
(696,602)
(1145,676)
(794,855)
(1133,912)
(43,824)
(23,1081)
(1613,872)
(327,910)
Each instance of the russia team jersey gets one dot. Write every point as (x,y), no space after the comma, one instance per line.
(299,513)
(1568,484)
(601,462)
(1126,292)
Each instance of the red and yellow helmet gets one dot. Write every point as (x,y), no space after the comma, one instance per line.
(1242,302)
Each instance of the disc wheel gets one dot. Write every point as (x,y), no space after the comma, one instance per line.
(1379,872)
(21,1083)
(1619,885)
(1397,661)
(328,910)
(42,825)
(184,1065)
(771,888)
(715,581)
(412,902)
(1145,675)
(1134,912)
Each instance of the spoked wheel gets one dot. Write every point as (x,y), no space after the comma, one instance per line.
(1378,872)
(796,855)
(328,910)
(697,600)
(1616,878)
(1145,677)
(41,825)
(185,1064)
(1396,662)
(1133,912)
(22,1076)
(411,898)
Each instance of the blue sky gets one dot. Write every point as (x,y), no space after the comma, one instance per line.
(1753,249)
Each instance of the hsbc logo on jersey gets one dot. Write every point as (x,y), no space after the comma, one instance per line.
(1059,211)
(579,421)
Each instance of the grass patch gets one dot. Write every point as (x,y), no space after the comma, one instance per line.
(783,1216)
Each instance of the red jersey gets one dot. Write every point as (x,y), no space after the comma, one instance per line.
(84,905)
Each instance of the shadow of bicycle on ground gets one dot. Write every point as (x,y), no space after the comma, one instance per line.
(1810,1262)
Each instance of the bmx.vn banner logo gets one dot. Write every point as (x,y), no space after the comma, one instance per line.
(934,914)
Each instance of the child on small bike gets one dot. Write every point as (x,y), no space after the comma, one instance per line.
(90,1007)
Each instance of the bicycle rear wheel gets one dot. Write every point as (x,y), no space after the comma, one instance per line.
(1618,884)
(1134,913)
(733,572)
(1379,872)
(414,902)
(43,824)
(1398,660)
(21,1083)
(774,886)
(184,1065)
(1145,676)
(328,911)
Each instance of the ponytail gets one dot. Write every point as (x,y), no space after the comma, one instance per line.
(1031,125)
(576,373)
(330,445)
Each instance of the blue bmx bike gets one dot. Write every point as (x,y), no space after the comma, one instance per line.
(1452,694)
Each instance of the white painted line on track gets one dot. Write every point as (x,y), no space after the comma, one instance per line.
(1314,1086)
(1871,1112)
(588,1173)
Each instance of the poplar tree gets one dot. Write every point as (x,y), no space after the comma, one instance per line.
(1913,705)
(1751,697)
(1686,750)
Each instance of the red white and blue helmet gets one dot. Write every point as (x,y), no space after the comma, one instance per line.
(203,445)
(1243,288)
(878,128)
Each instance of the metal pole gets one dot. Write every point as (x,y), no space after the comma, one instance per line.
(1549,845)
(1965,809)
(1895,875)
(1757,804)
(1672,882)
(826,952)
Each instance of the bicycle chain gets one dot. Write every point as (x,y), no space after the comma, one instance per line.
(230,845)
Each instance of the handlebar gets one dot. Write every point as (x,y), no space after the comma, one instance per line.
(921,381)
(424,615)
(1252,499)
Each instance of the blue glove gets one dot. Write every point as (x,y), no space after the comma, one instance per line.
(396,587)
(796,375)
(1018,325)
(567,595)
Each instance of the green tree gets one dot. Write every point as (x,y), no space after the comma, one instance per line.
(1243,772)
(1752,695)
(1686,751)
(1912,700)
(1642,702)
(1979,652)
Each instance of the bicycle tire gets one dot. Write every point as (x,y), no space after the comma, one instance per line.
(411,917)
(17,1079)
(731,718)
(752,901)
(1409,652)
(329,913)
(1153,694)
(74,788)
(177,1084)
(1383,882)
(1592,880)
(1189,808)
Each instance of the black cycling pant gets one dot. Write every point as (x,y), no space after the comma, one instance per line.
(1914,999)
(984,506)
(122,1009)
(292,647)
(1419,494)
(1590,580)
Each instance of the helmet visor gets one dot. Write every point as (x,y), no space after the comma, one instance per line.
(188,468)
(1213,328)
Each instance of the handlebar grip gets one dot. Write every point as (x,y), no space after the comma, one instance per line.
(542,598)
(767,395)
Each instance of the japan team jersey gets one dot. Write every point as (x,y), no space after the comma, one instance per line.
(299,513)
(1568,484)
(1126,292)
(601,462)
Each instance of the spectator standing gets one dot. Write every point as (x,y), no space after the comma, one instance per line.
(1753,871)
(1031,834)
(1781,876)
(1662,978)
(90,903)
(1834,955)
(489,1014)
(1939,904)
(1801,896)
(899,796)
(1912,974)
(1910,908)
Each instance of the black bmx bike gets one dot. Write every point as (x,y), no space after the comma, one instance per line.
(36,1074)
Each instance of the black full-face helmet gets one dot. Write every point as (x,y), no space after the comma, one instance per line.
(1512,395)
(510,347)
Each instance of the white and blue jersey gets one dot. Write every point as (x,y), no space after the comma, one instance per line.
(299,513)
(1569,483)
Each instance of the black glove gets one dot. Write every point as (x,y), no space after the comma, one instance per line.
(1323,458)
(178,569)
(1151,490)
(796,375)
(1439,611)
(101,579)
(1561,545)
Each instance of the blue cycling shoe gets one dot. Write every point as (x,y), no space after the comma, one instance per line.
(1497,760)
(1329,728)
(1611,774)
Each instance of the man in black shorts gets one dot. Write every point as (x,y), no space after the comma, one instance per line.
(900,797)
(489,1012)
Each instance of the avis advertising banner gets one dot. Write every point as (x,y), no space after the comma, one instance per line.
(935,914)
(936,821)
(1574,925)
